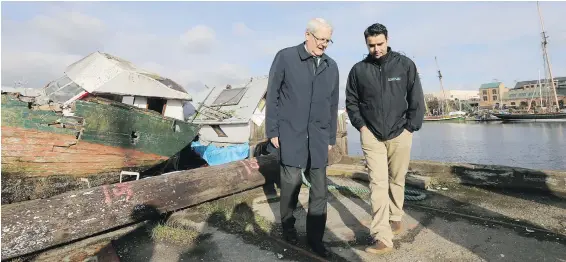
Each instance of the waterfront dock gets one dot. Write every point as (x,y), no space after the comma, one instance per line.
(454,223)
(457,221)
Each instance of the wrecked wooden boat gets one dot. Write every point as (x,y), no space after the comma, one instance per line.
(102,117)
(32,226)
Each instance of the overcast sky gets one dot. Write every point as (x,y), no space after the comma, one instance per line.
(219,43)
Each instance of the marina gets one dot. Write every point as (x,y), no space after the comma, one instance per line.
(537,145)
(114,160)
(485,161)
(134,205)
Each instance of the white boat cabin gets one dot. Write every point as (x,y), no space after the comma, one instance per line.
(113,78)
(233,114)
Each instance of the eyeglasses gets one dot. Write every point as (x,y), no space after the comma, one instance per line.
(324,41)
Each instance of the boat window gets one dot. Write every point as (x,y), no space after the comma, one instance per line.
(66,93)
(56,85)
(229,97)
(156,104)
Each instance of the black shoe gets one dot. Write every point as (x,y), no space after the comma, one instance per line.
(320,250)
(290,236)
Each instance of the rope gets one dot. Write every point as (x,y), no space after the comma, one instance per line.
(410,194)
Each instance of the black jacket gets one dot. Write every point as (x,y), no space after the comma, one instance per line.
(385,95)
(302,106)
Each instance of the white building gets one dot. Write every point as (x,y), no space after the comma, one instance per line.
(457,94)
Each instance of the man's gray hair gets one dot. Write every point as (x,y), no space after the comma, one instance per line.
(316,23)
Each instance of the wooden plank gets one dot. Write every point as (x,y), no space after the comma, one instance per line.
(42,223)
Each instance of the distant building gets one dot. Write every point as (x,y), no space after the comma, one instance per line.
(457,94)
(524,91)
(560,82)
(491,94)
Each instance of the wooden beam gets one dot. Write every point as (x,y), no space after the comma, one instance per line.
(39,224)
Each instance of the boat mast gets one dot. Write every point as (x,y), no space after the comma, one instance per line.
(441,87)
(540,88)
(545,56)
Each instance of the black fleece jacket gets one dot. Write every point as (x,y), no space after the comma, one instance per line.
(385,95)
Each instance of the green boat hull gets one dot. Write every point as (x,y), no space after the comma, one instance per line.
(46,153)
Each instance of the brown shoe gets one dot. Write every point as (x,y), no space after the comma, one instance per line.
(396,227)
(378,248)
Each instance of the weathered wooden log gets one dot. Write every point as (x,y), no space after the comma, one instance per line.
(35,225)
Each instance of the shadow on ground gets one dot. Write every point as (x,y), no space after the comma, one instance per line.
(462,223)
(224,229)
(460,218)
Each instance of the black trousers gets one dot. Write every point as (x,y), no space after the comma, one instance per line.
(291,180)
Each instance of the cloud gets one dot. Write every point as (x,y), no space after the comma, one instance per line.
(199,39)
(241,29)
(34,68)
(474,42)
(68,31)
(270,46)
(43,45)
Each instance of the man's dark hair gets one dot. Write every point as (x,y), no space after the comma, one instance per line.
(375,30)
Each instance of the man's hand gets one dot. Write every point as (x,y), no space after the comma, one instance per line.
(364,128)
(329,147)
(275,141)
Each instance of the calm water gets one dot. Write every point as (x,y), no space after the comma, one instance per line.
(529,145)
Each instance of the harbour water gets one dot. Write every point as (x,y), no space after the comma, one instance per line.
(529,144)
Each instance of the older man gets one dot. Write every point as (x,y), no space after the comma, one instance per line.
(301,115)
(385,102)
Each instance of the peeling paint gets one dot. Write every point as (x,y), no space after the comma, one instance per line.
(95,141)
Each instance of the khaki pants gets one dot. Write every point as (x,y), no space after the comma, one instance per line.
(388,163)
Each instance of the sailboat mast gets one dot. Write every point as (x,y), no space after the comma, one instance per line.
(540,88)
(545,56)
(441,87)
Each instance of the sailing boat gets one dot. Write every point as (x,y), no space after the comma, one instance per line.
(552,112)
(445,106)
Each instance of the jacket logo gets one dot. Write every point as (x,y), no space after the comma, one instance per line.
(389,79)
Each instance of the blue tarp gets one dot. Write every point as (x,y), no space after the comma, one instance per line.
(214,155)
